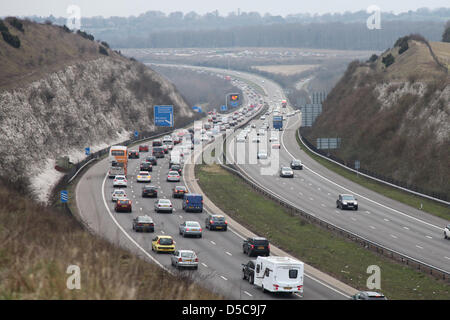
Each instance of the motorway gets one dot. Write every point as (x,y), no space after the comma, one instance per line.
(220,253)
(315,189)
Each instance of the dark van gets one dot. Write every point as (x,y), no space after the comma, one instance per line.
(193,202)
(158,152)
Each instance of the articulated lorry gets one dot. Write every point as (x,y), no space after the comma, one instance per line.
(278,122)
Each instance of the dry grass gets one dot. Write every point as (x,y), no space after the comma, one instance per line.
(38,244)
(44,49)
(286,70)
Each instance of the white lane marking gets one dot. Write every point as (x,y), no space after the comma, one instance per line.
(300,193)
(125,233)
(312,199)
(429,237)
(406,228)
(181,217)
(393,236)
(323,205)
(228,253)
(353,219)
(387,220)
(372,227)
(419,247)
(368,212)
(212,242)
(224,278)
(248,294)
(336,211)
(140,209)
(204,265)
(447,258)
(162,231)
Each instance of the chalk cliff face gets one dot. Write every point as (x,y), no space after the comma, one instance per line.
(92,103)
(395,119)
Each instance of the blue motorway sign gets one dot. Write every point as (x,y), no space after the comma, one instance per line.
(136,134)
(223,108)
(64,196)
(163,116)
(234,104)
(197,108)
(87,151)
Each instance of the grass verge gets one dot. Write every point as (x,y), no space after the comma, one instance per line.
(329,253)
(429,206)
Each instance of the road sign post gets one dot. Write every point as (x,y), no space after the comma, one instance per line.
(163,116)
(87,151)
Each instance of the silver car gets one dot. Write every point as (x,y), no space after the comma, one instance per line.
(286,172)
(118,194)
(173,176)
(163,205)
(185,259)
(191,228)
(120,181)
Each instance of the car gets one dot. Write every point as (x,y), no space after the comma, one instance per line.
(273,138)
(261,155)
(216,222)
(296,164)
(150,191)
(157,143)
(143,223)
(346,201)
(253,125)
(152,160)
(286,172)
(447,232)
(165,148)
(185,259)
(118,194)
(261,132)
(256,139)
(133,154)
(248,271)
(146,166)
(256,246)
(190,228)
(263,118)
(162,243)
(163,205)
(179,191)
(368,295)
(192,202)
(143,148)
(276,146)
(173,176)
(240,139)
(120,181)
(158,152)
(176,167)
(123,205)
(144,176)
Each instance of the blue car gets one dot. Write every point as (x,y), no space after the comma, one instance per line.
(193,202)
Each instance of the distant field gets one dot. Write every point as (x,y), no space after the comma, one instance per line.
(286,70)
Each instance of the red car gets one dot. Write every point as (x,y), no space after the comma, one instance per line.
(123,205)
(143,148)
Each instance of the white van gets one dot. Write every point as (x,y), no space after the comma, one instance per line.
(279,274)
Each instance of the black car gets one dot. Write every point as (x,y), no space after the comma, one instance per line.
(256,246)
(152,160)
(146,166)
(296,165)
(150,192)
(248,271)
(179,191)
(157,143)
(143,223)
(216,222)
(347,201)
(158,152)
(177,168)
(133,154)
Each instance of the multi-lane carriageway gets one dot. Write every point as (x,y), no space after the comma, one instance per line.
(394,225)
(220,253)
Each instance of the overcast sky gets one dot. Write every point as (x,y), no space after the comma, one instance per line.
(109,8)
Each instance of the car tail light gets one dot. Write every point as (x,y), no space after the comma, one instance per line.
(140,224)
(268,246)
(299,287)
(158,241)
(171,206)
(211,222)
(202,201)
(180,260)
(196,259)
(252,246)
(187,229)
(276,286)
(226,222)
(187,201)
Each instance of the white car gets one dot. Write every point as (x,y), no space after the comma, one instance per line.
(118,194)
(447,232)
(120,181)
(256,139)
(273,138)
(261,155)
(164,205)
(240,139)
(173,176)
(263,118)
(144,176)
(261,132)
(286,172)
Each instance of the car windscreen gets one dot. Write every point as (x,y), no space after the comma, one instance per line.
(165,241)
(145,219)
(260,242)
(163,201)
(187,254)
(348,198)
(218,218)
(192,224)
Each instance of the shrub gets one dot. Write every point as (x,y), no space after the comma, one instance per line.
(403,44)
(85,35)
(48,22)
(105,44)
(3,27)
(388,60)
(66,29)
(446,34)
(11,39)
(102,50)
(373,58)
(16,24)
